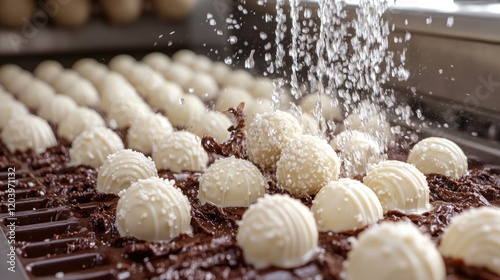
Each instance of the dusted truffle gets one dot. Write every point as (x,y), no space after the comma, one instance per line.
(28,132)
(93,146)
(178,151)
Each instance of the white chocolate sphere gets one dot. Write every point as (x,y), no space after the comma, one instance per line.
(16,13)
(240,78)
(77,121)
(9,109)
(124,112)
(262,88)
(48,71)
(474,237)
(257,106)
(231,182)
(392,251)
(19,82)
(330,111)
(185,111)
(178,151)
(73,13)
(93,146)
(57,108)
(66,81)
(399,186)
(373,124)
(185,56)
(277,231)
(9,72)
(309,125)
(268,135)
(179,73)
(35,94)
(212,123)
(439,155)
(358,151)
(146,130)
(231,97)
(174,9)
(344,205)
(307,163)
(220,71)
(123,168)
(144,79)
(28,132)
(202,64)
(122,12)
(166,95)
(153,210)
(157,61)
(122,63)
(204,86)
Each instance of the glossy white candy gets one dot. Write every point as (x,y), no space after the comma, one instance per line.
(25,132)
(146,130)
(178,151)
(93,146)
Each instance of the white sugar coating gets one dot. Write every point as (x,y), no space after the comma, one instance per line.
(358,151)
(124,111)
(28,132)
(268,134)
(185,111)
(21,81)
(123,168)
(9,72)
(203,85)
(399,186)
(474,237)
(166,95)
(93,146)
(391,251)
(277,231)
(48,71)
(373,124)
(144,79)
(122,63)
(178,151)
(146,130)
(257,106)
(231,182)
(202,64)
(345,205)
(240,78)
(10,108)
(185,56)
(77,121)
(439,155)
(57,108)
(153,209)
(157,61)
(330,111)
(262,88)
(214,124)
(309,124)
(179,73)
(307,163)
(35,94)
(231,97)
(220,71)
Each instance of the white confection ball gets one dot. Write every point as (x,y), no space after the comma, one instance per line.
(66,80)
(268,134)
(178,151)
(174,9)
(262,88)
(9,72)
(373,124)
(179,73)
(474,237)
(5,97)
(202,64)
(399,186)
(122,63)
(345,205)
(19,82)
(73,13)
(329,111)
(157,61)
(392,251)
(358,150)
(203,85)
(144,79)
(16,13)
(57,108)
(188,109)
(90,69)
(277,231)
(214,124)
(36,94)
(220,71)
(122,12)
(153,210)
(123,168)
(257,106)
(231,97)
(240,78)
(11,108)
(124,112)
(28,132)
(231,182)
(185,57)
(84,65)
(93,146)
(307,163)
(166,95)
(439,155)
(146,130)
(309,124)
(84,93)
(49,71)
(77,121)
